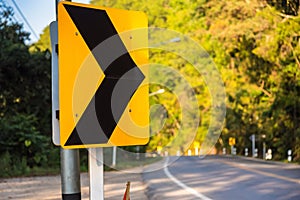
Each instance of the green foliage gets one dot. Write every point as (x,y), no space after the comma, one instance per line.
(12,166)
(255,45)
(25,105)
(261,73)
(19,134)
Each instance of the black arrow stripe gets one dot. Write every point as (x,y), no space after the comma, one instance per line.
(96,28)
(120,70)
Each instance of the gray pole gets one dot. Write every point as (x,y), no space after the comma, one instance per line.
(253,145)
(264,150)
(114,156)
(70,167)
(70,174)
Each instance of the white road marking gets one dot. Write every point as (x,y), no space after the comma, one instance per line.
(185,187)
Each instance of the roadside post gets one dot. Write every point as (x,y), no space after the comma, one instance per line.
(246,152)
(224,151)
(234,151)
(269,154)
(289,153)
(196,147)
(264,150)
(264,147)
(255,152)
(101,88)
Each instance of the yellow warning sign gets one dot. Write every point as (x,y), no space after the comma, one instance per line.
(103,91)
(231,141)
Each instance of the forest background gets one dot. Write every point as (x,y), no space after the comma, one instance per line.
(255,45)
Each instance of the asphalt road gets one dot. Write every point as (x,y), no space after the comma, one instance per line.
(217,177)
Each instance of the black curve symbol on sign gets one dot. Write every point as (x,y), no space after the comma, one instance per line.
(95,27)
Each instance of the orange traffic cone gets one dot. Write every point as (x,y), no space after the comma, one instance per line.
(127,191)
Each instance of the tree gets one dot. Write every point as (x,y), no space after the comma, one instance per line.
(25,105)
(261,69)
(255,45)
(43,43)
(289,7)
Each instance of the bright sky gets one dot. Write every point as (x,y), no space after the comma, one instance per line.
(38,13)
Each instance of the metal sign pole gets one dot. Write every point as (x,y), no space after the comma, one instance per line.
(78,35)
(253,145)
(70,165)
(70,174)
(96,173)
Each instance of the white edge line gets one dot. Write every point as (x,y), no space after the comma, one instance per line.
(185,187)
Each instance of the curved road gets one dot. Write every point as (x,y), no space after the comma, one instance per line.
(218,177)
